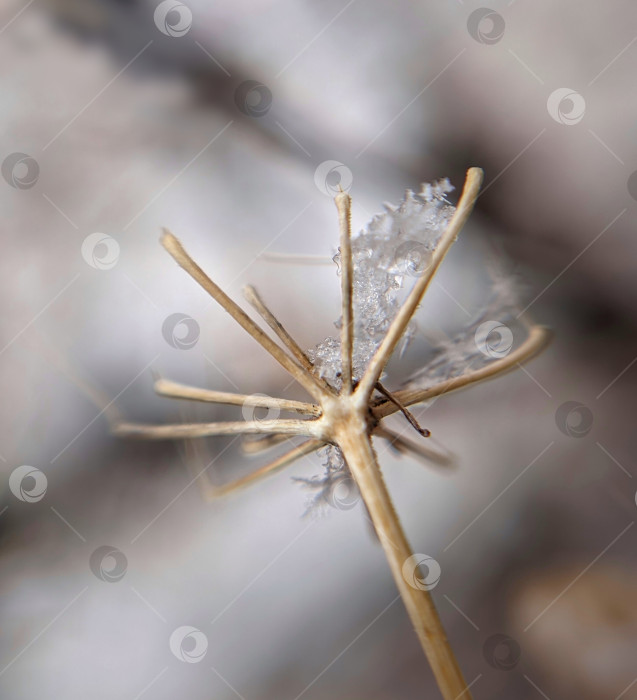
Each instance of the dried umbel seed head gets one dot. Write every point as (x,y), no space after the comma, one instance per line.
(349,403)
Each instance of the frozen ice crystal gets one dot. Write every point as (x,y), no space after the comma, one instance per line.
(395,247)
(389,253)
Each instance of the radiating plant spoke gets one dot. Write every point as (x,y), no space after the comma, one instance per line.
(305,378)
(410,448)
(268,469)
(256,445)
(344,207)
(194,430)
(165,387)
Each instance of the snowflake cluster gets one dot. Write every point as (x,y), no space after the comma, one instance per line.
(334,487)
(395,246)
(392,251)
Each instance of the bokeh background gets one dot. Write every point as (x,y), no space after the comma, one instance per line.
(215,120)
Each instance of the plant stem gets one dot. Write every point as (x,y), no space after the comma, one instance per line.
(254,299)
(267,470)
(182,431)
(414,449)
(380,358)
(255,446)
(359,454)
(344,207)
(536,341)
(174,390)
(305,378)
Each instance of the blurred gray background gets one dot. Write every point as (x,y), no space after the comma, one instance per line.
(120,117)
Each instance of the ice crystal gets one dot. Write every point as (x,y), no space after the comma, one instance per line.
(335,487)
(394,249)
(396,246)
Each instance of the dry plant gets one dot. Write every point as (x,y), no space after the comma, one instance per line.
(349,408)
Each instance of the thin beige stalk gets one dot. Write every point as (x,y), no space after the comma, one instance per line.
(305,378)
(414,449)
(357,449)
(174,390)
(268,469)
(344,206)
(194,430)
(256,301)
(399,324)
(254,446)
(535,342)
